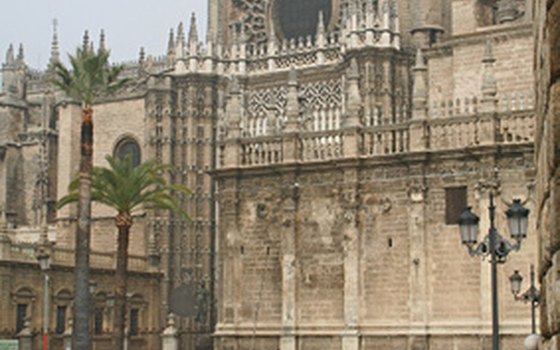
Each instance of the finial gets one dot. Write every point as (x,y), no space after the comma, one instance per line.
(85,45)
(10,55)
(171,43)
(180,34)
(142,55)
(102,47)
(320,24)
(20,56)
(193,34)
(55,51)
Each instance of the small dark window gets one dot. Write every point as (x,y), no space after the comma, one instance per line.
(21,313)
(98,321)
(60,319)
(133,322)
(128,147)
(455,203)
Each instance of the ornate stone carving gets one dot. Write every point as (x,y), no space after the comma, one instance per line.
(253,19)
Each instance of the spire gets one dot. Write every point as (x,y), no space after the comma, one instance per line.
(193,36)
(142,56)
(171,43)
(10,60)
(85,45)
(292,103)
(321,24)
(102,46)
(55,51)
(180,42)
(20,57)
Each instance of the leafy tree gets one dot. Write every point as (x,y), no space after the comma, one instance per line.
(127,189)
(89,78)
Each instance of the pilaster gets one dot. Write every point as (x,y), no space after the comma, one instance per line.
(289,268)
(351,229)
(418,275)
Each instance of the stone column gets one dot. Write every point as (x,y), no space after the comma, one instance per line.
(288,251)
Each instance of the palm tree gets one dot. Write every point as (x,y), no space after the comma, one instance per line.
(89,78)
(126,189)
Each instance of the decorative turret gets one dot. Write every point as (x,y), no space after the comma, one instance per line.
(489,86)
(507,11)
(354,102)
(20,61)
(13,74)
(292,103)
(420,88)
(85,43)
(10,60)
(55,50)
(427,22)
(102,45)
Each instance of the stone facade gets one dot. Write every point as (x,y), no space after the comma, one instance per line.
(322,168)
(547,154)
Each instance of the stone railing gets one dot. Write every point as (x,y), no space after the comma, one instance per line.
(437,134)
(261,151)
(386,139)
(322,145)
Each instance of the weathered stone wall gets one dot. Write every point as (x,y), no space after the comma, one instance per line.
(413,272)
(547,55)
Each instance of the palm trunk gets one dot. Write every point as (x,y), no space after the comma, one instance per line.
(124,222)
(81,336)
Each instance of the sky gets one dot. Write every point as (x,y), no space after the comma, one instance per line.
(128,25)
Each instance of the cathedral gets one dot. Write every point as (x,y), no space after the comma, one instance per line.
(330,146)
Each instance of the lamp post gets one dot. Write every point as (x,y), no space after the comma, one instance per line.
(494,245)
(43,255)
(531,295)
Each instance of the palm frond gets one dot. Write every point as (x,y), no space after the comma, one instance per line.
(126,188)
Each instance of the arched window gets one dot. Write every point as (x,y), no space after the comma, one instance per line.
(128,147)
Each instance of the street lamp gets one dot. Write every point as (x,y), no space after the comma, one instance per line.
(43,255)
(494,245)
(531,295)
